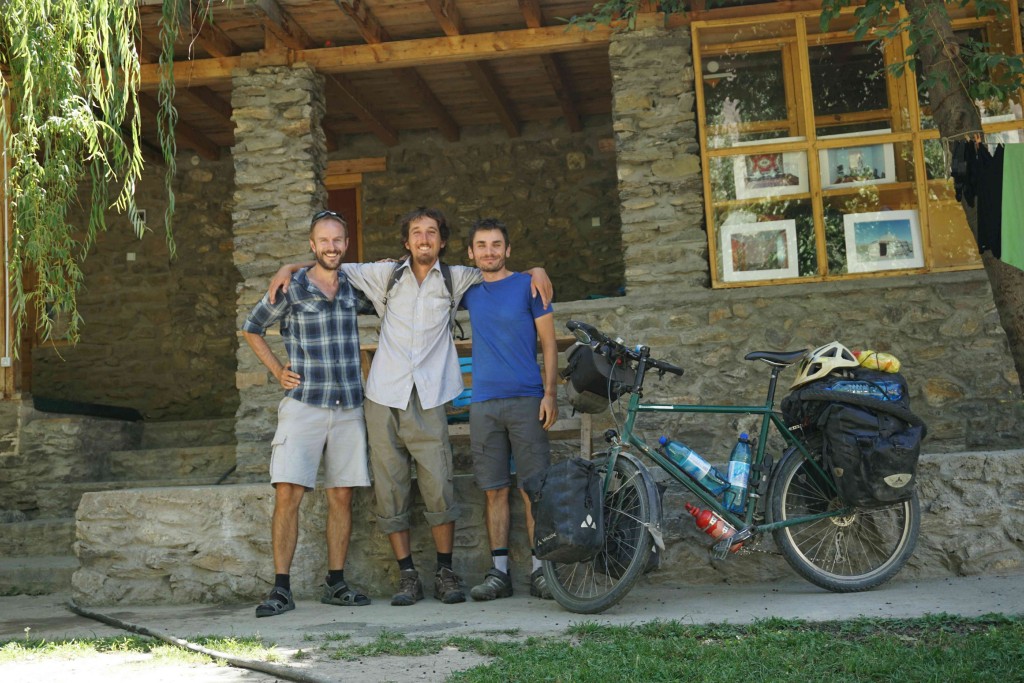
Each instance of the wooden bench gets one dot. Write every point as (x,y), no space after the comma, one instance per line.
(578,426)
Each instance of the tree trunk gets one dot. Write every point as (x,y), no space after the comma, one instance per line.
(956,114)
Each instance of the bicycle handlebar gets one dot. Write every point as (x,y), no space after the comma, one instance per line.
(618,348)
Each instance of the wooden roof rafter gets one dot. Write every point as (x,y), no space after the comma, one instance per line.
(447,15)
(374,34)
(192,136)
(534,18)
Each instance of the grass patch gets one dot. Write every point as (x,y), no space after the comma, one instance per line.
(37,648)
(935,648)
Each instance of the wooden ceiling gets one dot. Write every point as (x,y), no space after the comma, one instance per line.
(390,65)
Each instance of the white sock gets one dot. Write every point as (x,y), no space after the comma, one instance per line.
(536,563)
(501,563)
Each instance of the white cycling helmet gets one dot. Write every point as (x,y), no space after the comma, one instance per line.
(823,360)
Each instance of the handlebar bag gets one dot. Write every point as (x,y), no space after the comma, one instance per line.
(872,455)
(593,382)
(567,511)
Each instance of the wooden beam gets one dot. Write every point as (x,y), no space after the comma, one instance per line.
(213,39)
(487,82)
(279,23)
(364,19)
(447,15)
(414,82)
(560,83)
(357,104)
(373,33)
(148,51)
(210,100)
(188,134)
(395,55)
(361,165)
(531,13)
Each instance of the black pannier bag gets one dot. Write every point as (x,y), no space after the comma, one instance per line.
(567,511)
(872,454)
(587,372)
(870,440)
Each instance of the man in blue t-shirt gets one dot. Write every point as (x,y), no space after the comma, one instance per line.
(514,404)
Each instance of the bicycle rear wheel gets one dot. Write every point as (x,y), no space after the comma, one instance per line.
(595,585)
(843,554)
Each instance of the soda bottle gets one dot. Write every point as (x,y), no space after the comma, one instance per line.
(713,525)
(739,472)
(695,466)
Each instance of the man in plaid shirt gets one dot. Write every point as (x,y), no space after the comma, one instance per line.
(322,411)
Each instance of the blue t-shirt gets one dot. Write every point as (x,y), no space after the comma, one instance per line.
(505,338)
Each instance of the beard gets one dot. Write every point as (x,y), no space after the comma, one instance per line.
(425,258)
(492,267)
(324,260)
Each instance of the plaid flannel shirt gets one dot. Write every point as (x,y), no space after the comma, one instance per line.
(321,337)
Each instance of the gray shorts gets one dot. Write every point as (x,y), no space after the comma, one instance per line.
(397,439)
(504,427)
(305,433)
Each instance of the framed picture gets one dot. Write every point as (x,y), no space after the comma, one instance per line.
(857,165)
(759,251)
(882,240)
(770,174)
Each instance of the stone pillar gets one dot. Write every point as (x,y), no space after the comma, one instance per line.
(280,153)
(660,183)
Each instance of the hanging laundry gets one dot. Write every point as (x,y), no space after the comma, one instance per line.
(988,178)
(1012,233)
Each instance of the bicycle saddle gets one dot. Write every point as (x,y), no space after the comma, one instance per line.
(777,358)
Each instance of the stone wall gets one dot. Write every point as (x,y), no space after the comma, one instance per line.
(212,544)
(943,327)
(158,333)
(41,454)
(660,182)
(279,154)
(549,186)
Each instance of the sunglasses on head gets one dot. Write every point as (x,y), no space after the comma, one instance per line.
(327,213)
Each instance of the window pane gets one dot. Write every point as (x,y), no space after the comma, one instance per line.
(849,90)
(765,240)
(747,82)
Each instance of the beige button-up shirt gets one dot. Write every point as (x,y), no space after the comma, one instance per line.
(415,347)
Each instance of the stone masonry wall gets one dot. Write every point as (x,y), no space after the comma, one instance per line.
(212,544)
(549,186)
(279,154)
(660,182)
(158,333)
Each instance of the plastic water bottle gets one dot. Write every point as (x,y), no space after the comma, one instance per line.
(739,473)
(695,466)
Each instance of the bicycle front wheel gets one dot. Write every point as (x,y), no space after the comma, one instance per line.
(846,553)
(595,585)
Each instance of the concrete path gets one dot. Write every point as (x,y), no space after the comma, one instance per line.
(306,627)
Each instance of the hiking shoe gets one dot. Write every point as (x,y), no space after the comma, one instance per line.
(410,589)
(497,584)
(539,585)
(447,586)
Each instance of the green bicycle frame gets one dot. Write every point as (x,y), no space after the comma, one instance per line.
(768,417)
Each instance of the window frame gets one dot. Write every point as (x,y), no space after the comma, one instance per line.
(904,102)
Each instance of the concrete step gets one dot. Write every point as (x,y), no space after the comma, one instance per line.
(212,432)
(61,499)
(50,536)
(36,575)
(157,463)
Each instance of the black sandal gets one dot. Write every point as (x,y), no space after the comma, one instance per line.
(341,594)
(279,601)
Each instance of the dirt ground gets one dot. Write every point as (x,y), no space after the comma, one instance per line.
(313,627)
